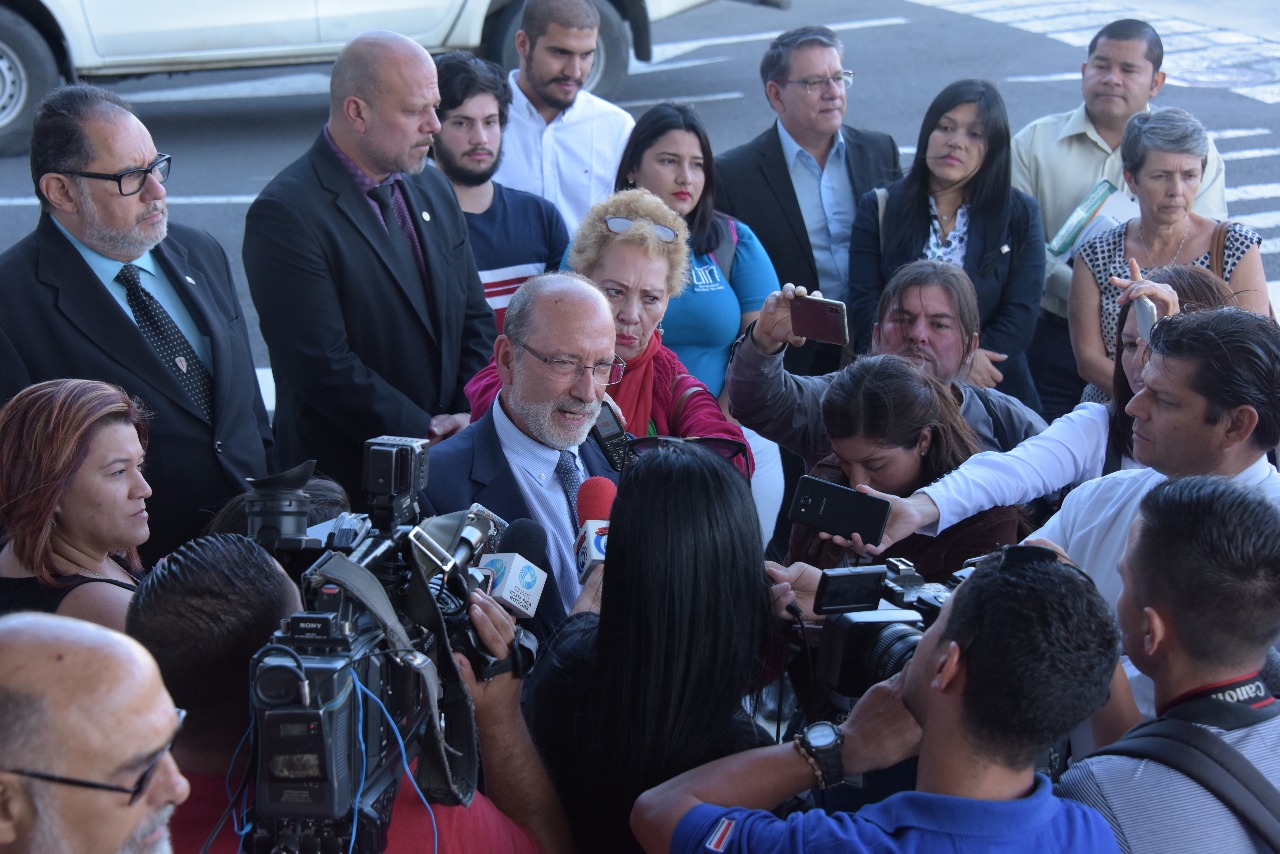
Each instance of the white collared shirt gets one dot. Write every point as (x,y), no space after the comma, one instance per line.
(571,162)
(1093,524)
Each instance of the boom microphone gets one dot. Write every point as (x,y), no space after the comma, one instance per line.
(517,580)
(595,503)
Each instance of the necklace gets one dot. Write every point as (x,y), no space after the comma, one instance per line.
(1176,252)
(90,571)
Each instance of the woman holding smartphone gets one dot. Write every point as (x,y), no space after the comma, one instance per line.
(896,429)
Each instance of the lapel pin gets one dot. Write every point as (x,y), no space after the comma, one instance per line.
(189,279)
(426,217)
(1004,250)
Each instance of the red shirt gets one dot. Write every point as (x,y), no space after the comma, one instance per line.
(480,827)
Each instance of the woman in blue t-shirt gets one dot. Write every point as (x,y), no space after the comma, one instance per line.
(669,154)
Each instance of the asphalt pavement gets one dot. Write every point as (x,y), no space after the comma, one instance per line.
(230,132)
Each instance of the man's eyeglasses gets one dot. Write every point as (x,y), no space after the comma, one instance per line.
(569,370)
(131,181)
(731,449)
(843,80)
(135,792)
(621,225)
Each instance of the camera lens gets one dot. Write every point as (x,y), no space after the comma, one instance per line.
(276,685)
(889,653)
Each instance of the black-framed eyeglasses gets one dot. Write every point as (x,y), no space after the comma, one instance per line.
(843,80)
(135,792)
(731,449)
(569,370)
(131,181)
(621,225)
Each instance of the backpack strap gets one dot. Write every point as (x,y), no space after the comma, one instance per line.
(727,248)
(1205,758)
(882,199)
(1218,250)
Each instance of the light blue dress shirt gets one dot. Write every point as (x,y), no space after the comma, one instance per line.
(155,281)
(827,205)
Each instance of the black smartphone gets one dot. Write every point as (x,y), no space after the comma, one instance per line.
(851,588)
(820,319)
(839,510)
(609,432)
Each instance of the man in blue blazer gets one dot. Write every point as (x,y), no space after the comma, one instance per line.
(374,320)
(102,205)
(555,358)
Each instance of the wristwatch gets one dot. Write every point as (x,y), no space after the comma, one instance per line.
(821,744)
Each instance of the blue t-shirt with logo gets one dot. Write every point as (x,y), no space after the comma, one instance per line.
(702,323)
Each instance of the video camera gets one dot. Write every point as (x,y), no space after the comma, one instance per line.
(362,683)
(876,615)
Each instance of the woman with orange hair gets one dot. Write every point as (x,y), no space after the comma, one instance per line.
(72,500)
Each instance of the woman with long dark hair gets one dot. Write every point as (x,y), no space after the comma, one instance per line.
(654,684)
(957,204)
(72,500)
(896,429)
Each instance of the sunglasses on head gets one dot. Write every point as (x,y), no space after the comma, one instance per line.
(621,225)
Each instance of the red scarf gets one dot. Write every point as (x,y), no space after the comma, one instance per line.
(634,395)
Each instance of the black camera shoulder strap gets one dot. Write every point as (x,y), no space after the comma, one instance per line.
(1175,741)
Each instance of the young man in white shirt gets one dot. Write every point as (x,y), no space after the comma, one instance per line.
(562,143)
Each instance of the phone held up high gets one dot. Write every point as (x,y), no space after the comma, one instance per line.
(820,319)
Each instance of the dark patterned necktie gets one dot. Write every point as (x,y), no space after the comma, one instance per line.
(382,194)
(569,477)
(167,340)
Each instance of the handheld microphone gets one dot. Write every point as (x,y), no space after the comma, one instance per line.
(595,502)
(517,581)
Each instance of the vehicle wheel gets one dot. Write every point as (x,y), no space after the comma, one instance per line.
(27,72)
(613,47)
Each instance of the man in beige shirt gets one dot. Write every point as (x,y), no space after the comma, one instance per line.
(1060,158)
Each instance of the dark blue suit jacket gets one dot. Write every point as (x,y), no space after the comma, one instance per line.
(753,184)
(471,468)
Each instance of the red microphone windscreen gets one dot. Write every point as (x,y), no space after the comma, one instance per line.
(595,498)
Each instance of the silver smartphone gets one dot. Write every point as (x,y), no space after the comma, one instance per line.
(1146,316)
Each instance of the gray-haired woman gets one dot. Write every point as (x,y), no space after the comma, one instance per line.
(1164,154)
